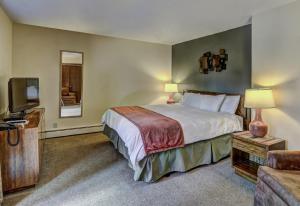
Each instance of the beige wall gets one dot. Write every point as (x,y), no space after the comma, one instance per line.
(276,64)
(115,72)
(5,57)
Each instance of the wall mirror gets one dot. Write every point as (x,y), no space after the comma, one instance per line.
(70,102)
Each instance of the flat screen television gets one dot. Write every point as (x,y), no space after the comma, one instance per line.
(23,94)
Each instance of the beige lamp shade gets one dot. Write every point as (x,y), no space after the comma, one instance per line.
(171,88)
(259,98)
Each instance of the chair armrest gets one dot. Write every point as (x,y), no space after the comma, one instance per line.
(284,160)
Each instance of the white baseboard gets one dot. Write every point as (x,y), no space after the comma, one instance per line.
(74,131)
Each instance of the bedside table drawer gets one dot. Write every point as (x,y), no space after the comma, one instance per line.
(249,148)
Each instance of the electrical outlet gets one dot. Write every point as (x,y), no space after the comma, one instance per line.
(54,125)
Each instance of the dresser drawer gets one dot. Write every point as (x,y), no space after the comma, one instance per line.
(1,194)
(249,148)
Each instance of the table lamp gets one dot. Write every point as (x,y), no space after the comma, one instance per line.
(258,99)
(171,88)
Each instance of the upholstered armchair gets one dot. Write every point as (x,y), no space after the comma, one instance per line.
(278,183)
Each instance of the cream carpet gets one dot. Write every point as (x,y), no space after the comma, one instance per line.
(86,170)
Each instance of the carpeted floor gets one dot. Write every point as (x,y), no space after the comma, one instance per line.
(86,170)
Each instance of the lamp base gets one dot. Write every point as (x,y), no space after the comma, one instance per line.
(170,100)
(257,127)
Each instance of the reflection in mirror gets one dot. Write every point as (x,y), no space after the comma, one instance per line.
(71,84)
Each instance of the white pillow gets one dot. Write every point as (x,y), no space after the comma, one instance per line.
(230,104)
(191,99)
(211,102)
(204,102)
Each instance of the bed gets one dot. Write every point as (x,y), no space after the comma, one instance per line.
(207,138)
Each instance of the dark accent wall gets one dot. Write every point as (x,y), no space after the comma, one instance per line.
(235,79)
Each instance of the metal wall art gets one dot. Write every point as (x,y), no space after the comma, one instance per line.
(213,62)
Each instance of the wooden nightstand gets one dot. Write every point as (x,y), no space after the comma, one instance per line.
(249,152)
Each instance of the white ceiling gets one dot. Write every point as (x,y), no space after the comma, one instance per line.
(161,21)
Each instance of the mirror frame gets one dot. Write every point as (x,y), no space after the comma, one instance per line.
(60,83)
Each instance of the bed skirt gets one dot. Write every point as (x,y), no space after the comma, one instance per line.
(155,166)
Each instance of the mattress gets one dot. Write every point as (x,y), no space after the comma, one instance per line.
(197,125)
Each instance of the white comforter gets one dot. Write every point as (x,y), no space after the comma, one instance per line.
(197,125)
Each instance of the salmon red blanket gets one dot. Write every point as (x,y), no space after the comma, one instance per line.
(159,133)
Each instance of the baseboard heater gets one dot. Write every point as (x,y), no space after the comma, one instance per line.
(74,131)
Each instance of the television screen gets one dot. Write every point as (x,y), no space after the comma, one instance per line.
(23,94)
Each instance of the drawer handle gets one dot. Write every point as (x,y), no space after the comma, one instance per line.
(9,140)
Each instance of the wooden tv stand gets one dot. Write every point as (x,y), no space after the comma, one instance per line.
(20,164)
